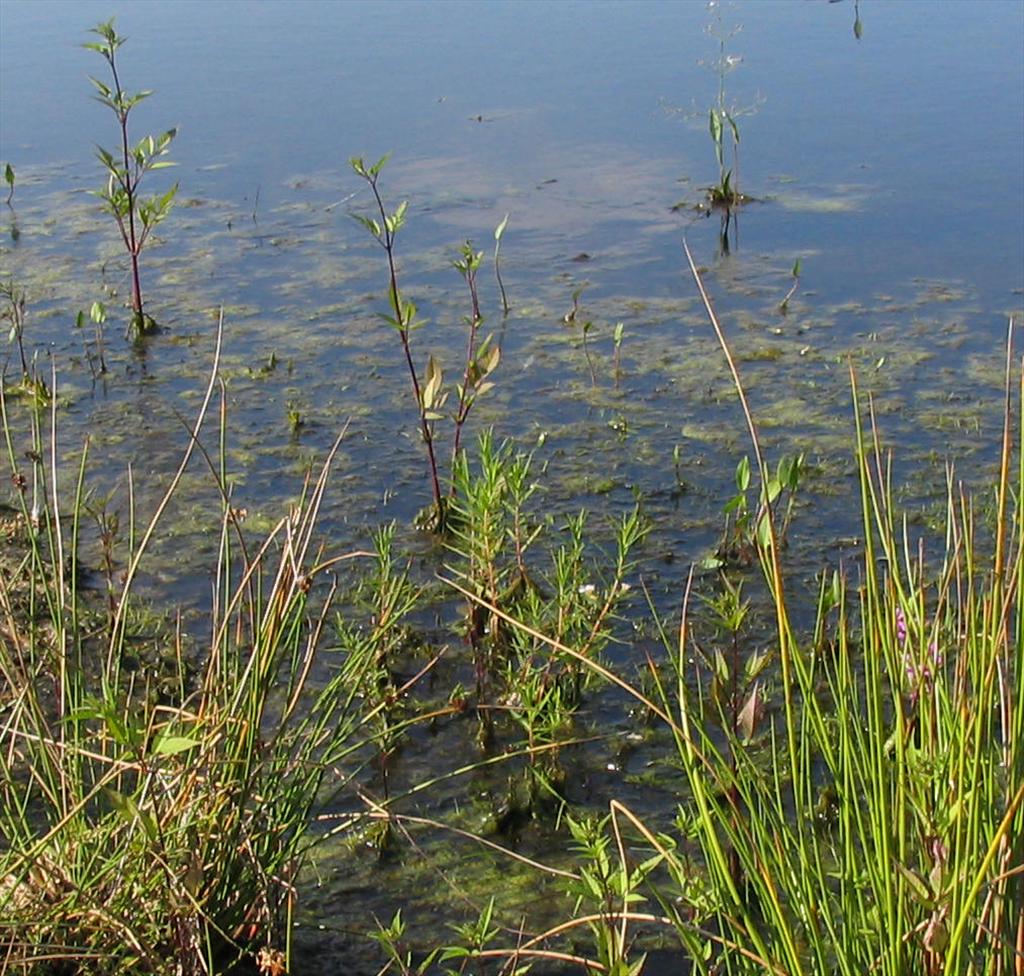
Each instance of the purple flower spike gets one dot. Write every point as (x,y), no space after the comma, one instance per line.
(901,626)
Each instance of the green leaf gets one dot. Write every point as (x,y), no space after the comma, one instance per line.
(394,222)
(764,529)
(493,358)
(432,386)
(734,504)
(918,887)
(370,224)
(746,721)
(743,473)
(796,268)
(172,745)
(732,126)
(379,165)
(103,89)
(715,125)
(756,663)
(500,229)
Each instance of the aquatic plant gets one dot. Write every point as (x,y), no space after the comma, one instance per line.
(94,350)
(9,180)
(481,359)
(859,807)
(14,300)
(509,566)
(617,336)
(722,121)
(725,192)
(429,391)
(747,527)
(31,385)
(135,215)
(795,274)
(498,232)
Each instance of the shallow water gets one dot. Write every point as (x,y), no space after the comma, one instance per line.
(891,165)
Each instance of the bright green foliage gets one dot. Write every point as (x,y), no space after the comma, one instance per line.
(542,609)
(135,215)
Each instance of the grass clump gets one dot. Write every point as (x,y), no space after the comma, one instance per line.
(858,807)
(154,815)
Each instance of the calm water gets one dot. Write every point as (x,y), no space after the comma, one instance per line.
(892,165)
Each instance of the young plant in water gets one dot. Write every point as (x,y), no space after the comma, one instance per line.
(722,121)
(498,231)
(97,316)
(429,389)
(32,386)
(795,273)
(617,338)
(481,359)
(134,214)
(745,528)
(429,395)
(14,311)
(9,180)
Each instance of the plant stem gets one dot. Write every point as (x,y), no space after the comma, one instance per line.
(387,241)
(129,186)
(497,263)
(465,399)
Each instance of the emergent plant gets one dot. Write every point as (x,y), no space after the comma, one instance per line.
(429,389)
(135,215)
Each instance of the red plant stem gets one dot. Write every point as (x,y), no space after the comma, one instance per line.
(388,244)
(129,188)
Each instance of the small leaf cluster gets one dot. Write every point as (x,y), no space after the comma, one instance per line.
(746,526)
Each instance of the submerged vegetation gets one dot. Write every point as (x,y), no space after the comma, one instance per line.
(776,770)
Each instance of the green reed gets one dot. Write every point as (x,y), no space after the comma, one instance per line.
(859,806)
